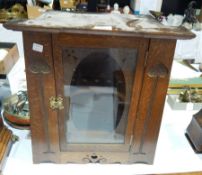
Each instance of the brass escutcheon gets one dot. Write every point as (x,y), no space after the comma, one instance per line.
(56,103)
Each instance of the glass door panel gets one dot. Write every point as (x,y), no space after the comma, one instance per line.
(97,86)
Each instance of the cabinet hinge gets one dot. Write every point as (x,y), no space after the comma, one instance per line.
(56,103)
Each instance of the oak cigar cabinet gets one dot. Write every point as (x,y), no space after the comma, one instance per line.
(96,85)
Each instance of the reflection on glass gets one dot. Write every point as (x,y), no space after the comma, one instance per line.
(97,88)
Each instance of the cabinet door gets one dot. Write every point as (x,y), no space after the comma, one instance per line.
(99,80)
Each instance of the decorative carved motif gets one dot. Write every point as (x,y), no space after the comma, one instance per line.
(71,56)
(158,70)
(38,66)
(94,159)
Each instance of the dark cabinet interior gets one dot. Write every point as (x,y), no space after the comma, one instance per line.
(99,90)
(178,6)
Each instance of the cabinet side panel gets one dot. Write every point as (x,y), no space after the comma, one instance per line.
(151,104)
(41,86)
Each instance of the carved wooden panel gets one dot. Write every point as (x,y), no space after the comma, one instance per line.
(151,103)
(41,86)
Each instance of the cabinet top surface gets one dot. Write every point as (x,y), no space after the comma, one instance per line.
(100,24)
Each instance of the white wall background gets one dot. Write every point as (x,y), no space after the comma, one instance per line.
(143,6)
(146,5)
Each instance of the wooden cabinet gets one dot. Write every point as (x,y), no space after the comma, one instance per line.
(96,95)
(5,143)
(194,132)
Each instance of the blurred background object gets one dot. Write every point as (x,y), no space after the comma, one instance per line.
(16,110)
(99,5)
(16,11)
(6,4)
(178,6)
(200,15)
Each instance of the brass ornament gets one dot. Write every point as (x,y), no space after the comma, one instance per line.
(56,103)
(17,11)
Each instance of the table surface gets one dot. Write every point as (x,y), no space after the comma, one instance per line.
(173,154)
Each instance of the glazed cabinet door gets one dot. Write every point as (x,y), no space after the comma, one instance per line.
(41,87)
(98,82)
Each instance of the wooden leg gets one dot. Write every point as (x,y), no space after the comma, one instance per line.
(194,132)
